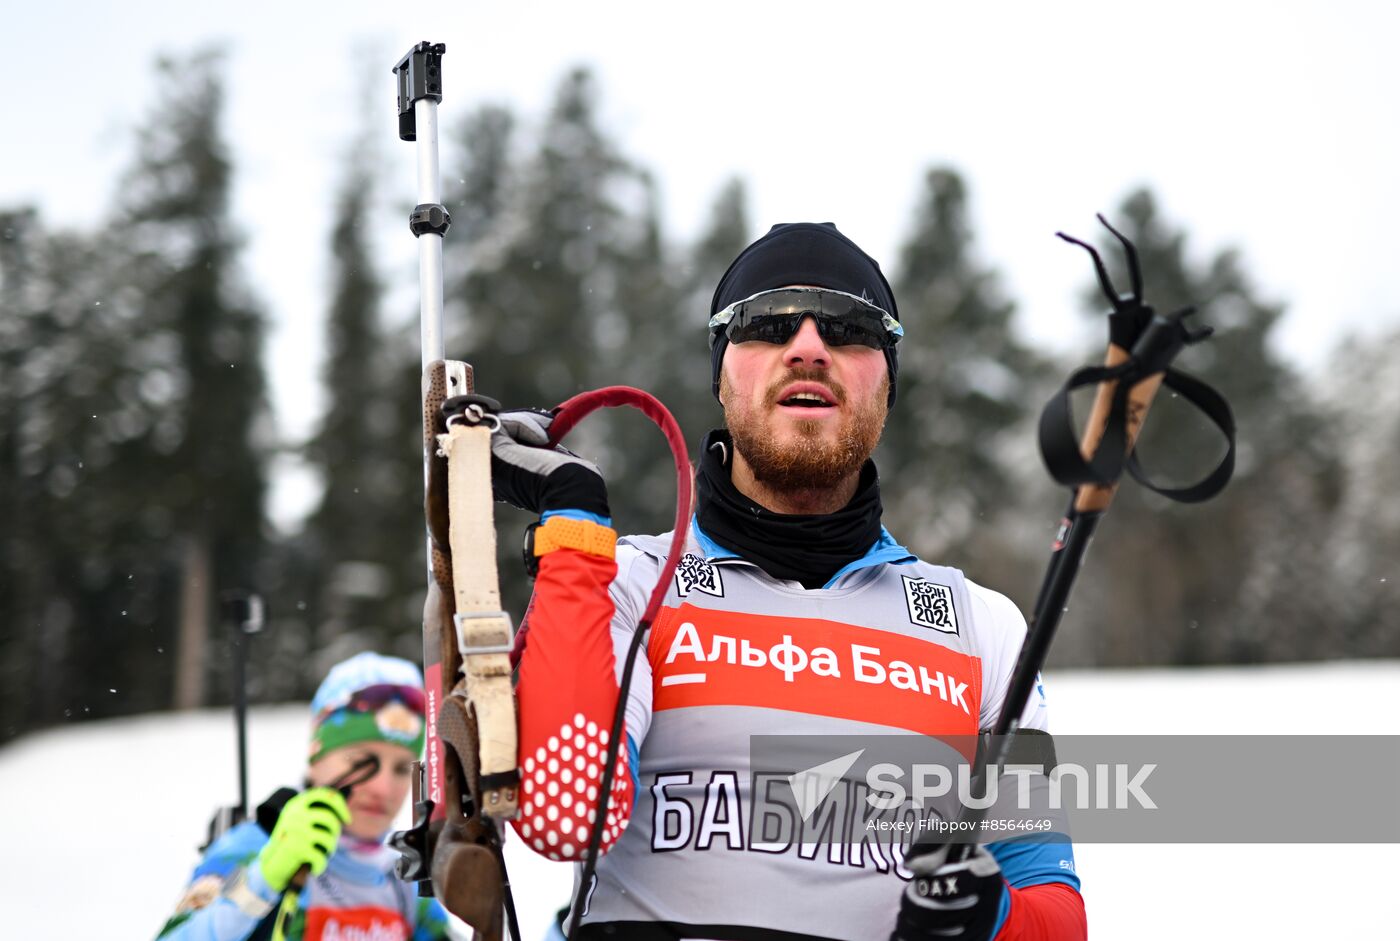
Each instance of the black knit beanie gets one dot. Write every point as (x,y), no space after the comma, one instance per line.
(814,253)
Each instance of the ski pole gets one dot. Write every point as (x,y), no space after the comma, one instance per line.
(247,617)
(1142,346)
(243,612)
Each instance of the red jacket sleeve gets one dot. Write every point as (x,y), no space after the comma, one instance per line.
(567,693)
(1052,911)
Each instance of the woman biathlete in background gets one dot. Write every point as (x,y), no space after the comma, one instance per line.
(324,872)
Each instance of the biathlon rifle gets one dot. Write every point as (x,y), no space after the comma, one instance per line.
(468,783)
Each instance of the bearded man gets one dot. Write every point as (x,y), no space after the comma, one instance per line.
(795,613)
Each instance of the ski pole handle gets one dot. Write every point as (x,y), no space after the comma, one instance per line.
(358,773)
(1091,498)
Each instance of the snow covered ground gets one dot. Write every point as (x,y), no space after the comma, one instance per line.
(100,822)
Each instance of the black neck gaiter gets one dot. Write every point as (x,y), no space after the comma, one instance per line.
(796,547)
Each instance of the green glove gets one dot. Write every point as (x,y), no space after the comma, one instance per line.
(305,835)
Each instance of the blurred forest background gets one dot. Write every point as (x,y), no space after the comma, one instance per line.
(136,438)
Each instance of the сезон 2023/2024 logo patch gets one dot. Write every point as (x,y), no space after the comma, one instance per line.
(930,604)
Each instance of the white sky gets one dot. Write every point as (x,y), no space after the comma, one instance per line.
(1266,125)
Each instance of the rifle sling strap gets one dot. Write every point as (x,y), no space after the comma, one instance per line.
(484,632)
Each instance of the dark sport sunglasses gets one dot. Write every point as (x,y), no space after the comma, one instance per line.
(774,316)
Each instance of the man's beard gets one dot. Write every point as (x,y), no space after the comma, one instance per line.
(810,462)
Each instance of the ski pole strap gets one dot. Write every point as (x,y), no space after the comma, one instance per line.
(1114,453)
(1214,406)
(285,912)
